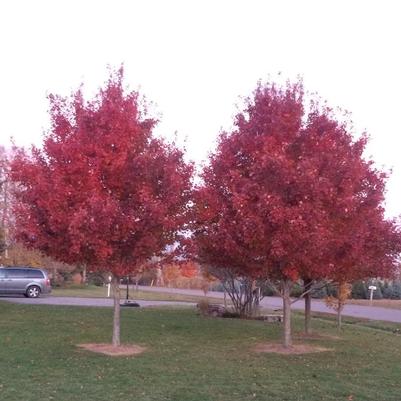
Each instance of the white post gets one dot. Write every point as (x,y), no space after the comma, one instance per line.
(108,287)
(371,289)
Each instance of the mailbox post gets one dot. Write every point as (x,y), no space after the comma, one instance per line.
(108,287)
(372,288)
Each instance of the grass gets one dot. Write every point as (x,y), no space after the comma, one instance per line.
(101,292)
(383,303)
(358,322)
(189,358)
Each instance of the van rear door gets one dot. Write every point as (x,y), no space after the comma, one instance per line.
(16,280)
(3,282)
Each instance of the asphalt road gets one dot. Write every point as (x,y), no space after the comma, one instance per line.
(358,311)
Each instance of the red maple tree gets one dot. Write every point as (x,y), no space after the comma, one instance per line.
(274,193)
(103,191)
(362,243)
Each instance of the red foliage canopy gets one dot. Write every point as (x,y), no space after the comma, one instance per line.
(103,191)
(288,195)
(361,242)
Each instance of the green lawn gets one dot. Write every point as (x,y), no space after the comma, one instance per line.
(101,292)
(189,358)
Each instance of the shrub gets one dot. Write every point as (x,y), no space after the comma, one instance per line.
(232,315)
(320,292)
(203,307)
(297,290)
(359,290)
(65,277)
(392,289)
(57,280)
(396,290)
(95,279)
(147,277)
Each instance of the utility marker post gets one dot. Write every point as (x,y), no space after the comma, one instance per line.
(372,288)
(108,287)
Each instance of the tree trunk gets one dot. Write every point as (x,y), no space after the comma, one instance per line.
(127,294)
(308,307)
(84,274)
(287,313)
(339,322)
(116,317)
(5,219)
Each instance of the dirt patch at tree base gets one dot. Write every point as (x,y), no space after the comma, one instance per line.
(110,350)
(295,349)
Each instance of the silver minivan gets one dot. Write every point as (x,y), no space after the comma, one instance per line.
(24,280)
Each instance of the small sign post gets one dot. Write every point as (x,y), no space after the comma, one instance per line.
(108,287)
(371,289)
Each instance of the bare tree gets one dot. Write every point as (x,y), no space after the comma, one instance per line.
(244,292)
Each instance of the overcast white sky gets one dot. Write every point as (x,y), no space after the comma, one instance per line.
(195,58)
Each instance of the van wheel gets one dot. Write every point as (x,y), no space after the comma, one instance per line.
(33,291)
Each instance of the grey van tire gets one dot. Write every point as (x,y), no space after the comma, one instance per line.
(33,291)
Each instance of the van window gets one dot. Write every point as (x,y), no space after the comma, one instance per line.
(16,273)
(34,273)
(2,273)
